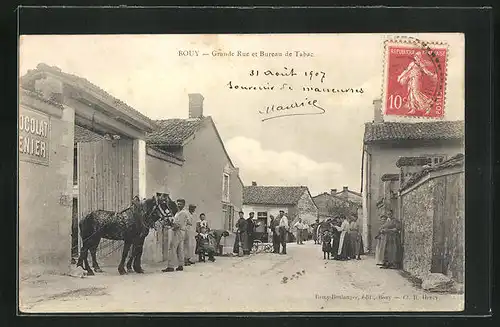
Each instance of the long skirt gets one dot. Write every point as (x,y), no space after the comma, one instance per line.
(241,239)
(343,251)
(355,242)
(380,249)
(335,245)
(393,250)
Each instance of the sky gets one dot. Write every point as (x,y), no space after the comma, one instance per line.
(321,151)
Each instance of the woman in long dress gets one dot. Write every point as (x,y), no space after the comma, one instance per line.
(344,246)
(355,239)
(381,241)
(336,231)
(393,248)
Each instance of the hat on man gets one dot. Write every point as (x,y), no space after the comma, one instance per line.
(181,201)
(192,206)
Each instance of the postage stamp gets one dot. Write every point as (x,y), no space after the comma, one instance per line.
(415,78)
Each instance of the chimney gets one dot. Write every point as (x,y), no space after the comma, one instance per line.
(333,191)
(254,183)
(345,192)
(195,105)
(378,116)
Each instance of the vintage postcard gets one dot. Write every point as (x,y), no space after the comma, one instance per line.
(241,173)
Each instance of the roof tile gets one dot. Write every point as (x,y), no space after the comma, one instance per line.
(392,131)
(273,195)
(173,131)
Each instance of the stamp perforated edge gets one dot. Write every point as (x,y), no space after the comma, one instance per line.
(410,40)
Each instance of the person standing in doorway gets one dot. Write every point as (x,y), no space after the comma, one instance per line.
(189,240)
(299,227)
(274,226)
(283,230)
(176,251)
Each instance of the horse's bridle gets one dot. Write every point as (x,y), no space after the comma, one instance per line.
(157,207)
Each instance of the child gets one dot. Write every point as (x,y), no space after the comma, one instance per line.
(206,245)
(326,244)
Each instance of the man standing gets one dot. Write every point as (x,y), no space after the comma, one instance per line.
(251,229)
(299,226)
(274,226)
(176,250)
(241,240)
(283,230)
(189,240)
(314,230)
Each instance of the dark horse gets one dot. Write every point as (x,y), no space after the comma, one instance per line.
(130,225)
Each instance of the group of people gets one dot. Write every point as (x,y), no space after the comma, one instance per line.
(245,233)
(340,238)
(389,250)
(185,240)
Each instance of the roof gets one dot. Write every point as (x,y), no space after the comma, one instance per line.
(173,132)
(338,196)
(84,84)
(273,195)
(85,135)
(396,131)
(457,160)
(390,177)
(39,96)
(350,191)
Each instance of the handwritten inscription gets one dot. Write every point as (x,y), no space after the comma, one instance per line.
(311,81)
(283,110)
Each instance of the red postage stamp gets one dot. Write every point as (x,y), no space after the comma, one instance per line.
(415,79)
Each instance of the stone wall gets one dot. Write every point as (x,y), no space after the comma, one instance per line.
(433,217)
(417,218)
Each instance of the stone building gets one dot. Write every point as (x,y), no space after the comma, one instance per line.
(186,158)
(385,142)
(61,176)
(265,201)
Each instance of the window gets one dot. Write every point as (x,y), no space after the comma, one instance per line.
(436,159)
(225,187)
(228,212)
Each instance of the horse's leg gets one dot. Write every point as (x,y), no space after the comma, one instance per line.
(85,259)
(138,255)
(131,258)
(126,248)
(93,251)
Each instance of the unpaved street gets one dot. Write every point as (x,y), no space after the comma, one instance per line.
(233,284)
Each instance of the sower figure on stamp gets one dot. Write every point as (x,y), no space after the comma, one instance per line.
(411,76)
(176,251)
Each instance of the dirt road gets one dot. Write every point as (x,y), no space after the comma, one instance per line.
(233,284)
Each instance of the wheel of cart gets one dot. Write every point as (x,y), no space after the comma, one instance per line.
(256,246)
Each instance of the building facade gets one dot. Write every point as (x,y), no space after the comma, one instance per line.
(264,201)
(186,158)
(60,177)
(385,142)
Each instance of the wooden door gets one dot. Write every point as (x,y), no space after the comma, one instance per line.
(105,183)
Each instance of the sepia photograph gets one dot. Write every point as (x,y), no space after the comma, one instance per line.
(163,173)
